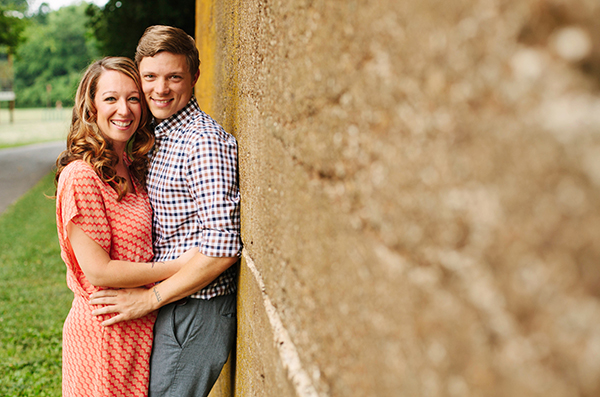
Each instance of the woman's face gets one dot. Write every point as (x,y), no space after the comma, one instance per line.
(119,107)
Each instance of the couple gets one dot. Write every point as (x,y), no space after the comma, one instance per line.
(141,234)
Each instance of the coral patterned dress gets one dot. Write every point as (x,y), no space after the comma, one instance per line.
(97,360)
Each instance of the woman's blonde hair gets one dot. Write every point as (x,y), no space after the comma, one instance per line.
(86,142)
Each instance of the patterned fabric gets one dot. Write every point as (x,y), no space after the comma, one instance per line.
(193,189)
(97,360)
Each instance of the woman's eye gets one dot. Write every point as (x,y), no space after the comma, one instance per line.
(110,99)
(134,99)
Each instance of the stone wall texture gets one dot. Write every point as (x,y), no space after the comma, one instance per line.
(420,193)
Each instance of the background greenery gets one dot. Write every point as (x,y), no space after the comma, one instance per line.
(55,50)
(42,56)
(44,52)
(132,17)
(34,298)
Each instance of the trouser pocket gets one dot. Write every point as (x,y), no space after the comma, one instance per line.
(183,322)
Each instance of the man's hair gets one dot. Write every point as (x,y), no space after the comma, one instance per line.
(159,38)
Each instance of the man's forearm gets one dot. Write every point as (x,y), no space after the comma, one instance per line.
(132,303)
(196,274)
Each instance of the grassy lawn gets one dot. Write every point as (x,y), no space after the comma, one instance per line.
(34,298)
(33,125)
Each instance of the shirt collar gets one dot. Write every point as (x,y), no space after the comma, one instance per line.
(162,129)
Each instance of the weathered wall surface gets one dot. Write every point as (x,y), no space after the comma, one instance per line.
(420,181)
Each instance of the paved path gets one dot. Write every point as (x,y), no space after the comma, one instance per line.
(22,167)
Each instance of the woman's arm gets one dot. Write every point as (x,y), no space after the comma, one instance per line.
(101,271)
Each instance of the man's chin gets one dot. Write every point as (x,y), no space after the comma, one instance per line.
(161,113)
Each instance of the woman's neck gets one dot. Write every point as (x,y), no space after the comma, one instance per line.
(119,148)
(121,168)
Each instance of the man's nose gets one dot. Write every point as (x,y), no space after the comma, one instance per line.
(162,86)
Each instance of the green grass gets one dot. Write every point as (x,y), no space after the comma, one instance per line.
(34,298)
(33,125)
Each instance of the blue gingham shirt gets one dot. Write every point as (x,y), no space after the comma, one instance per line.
(193,189)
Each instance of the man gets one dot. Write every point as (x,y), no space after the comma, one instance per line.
(193,189)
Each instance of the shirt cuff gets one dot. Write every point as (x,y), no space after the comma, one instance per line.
(219,243)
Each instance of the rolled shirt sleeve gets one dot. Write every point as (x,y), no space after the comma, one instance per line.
(211,175)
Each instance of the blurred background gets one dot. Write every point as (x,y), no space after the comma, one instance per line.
(45,45)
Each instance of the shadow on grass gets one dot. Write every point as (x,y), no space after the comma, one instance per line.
(34,298)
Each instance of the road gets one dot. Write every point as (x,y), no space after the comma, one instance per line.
(22,167)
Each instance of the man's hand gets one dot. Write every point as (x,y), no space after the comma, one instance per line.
(129,303)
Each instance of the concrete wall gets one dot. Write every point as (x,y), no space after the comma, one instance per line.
(420,182)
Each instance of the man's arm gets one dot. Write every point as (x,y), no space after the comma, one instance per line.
(196,274)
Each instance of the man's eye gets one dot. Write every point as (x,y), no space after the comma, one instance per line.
(149,76)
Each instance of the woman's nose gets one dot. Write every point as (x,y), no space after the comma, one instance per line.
(123,107)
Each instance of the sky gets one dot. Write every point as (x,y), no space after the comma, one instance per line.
(56,4)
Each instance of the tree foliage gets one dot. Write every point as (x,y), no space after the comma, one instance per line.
(120,24)
(18,5)
(49,63)
(12,23)
(58,45)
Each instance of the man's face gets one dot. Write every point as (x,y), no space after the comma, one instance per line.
(167,83)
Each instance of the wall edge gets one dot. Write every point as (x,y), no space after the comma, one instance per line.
(290,359)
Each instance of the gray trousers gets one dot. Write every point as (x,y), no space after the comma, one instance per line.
(192,341)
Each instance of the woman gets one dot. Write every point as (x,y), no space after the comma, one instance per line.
(104,223)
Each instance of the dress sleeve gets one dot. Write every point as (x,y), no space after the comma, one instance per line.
(213,183)
(80,200)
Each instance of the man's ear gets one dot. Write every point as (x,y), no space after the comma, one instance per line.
(195,77)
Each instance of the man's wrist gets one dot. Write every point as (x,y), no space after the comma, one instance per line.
(155,298)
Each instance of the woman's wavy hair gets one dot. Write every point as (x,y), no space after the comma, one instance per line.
(86,142)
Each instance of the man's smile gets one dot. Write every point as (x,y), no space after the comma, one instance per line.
(162,101)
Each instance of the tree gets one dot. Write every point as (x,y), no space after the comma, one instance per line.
(120,24)
(18,5)
(11,23)
(49,63)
